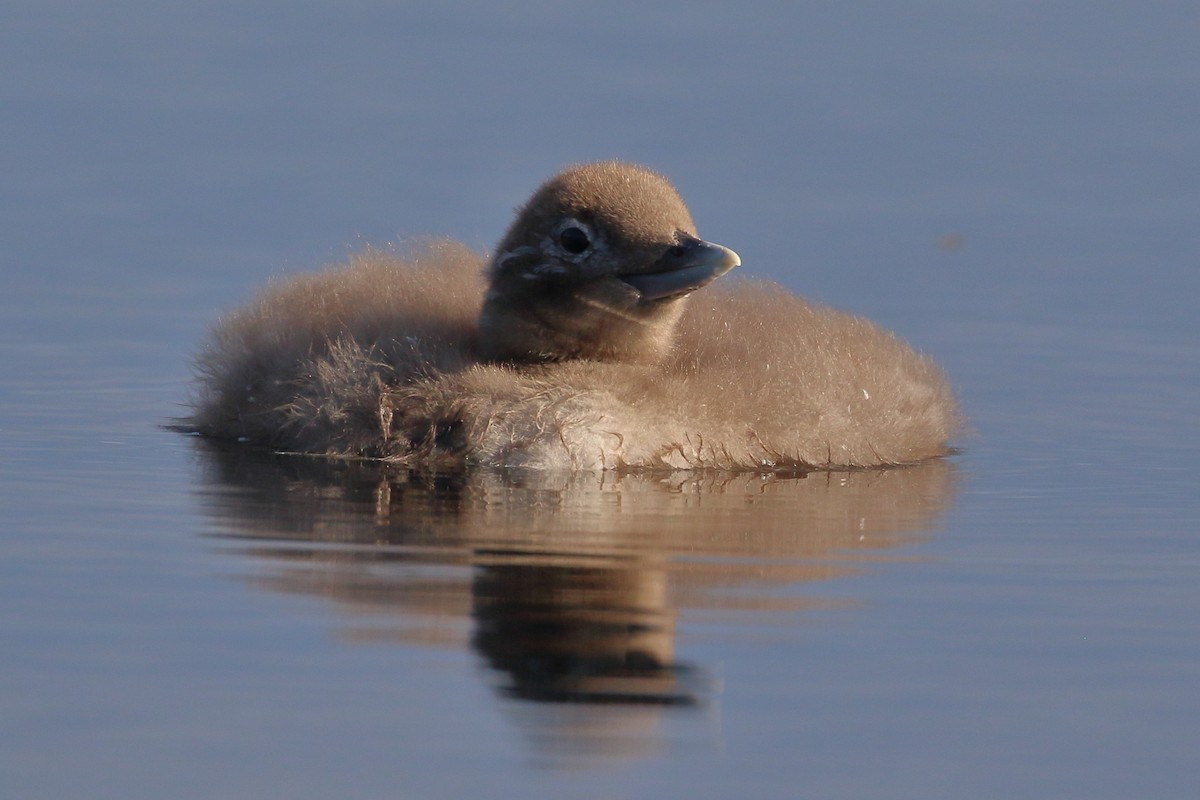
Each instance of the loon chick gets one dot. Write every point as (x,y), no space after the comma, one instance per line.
(581,352)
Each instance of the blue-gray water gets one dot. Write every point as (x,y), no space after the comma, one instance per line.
(1014,188)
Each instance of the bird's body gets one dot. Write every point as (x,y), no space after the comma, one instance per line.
(579,351)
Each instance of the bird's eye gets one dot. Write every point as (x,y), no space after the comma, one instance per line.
(574,240)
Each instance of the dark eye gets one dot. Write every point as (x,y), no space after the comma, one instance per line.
(574,240)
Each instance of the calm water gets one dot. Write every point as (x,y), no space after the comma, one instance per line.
(1015,189)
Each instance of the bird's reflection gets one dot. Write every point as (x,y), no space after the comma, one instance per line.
(567,585)
(579,633)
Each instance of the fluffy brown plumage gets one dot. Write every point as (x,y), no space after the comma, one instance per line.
(582,351)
